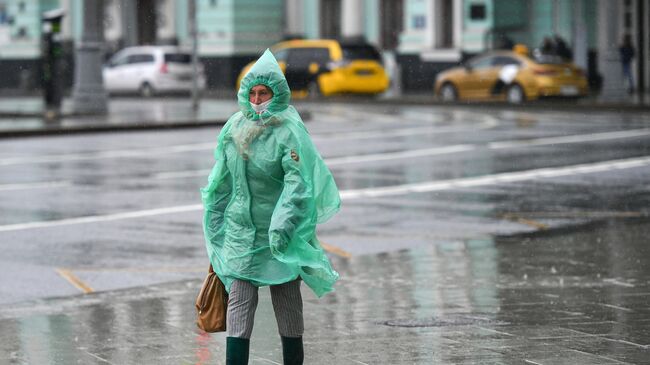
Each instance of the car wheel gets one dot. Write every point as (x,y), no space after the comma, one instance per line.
(146,90)
(515,94)
(448,93)
(313,90)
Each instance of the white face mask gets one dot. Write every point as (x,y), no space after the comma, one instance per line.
(261,108)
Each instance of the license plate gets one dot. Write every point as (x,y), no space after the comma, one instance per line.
(364,72)
(185,77)
(568,90)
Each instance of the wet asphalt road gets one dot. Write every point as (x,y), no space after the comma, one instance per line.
(99,212)
(466,236)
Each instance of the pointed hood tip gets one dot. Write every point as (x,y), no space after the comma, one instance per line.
(266,71)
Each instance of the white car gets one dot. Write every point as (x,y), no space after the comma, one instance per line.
(150,70)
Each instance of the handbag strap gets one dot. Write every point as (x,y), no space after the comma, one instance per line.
(210,270)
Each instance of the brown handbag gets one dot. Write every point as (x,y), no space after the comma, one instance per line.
(212,304)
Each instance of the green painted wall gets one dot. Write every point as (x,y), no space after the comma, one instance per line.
(257,24)
(529,21)
(229,27)
(591,19)
(311,22)
(25,31)
(510,14)
(215,24)
(414,23)
(474,34)
(180,14)
(371,21)
(511,17)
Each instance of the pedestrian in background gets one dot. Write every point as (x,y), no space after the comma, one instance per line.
(627,53)
(267,191)
(561,48)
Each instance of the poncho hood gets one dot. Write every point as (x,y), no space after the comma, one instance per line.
(265,71)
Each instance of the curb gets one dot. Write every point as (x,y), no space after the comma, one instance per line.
(534,105)
(54,129)
(98,128)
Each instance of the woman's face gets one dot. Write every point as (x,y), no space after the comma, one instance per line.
(259,94)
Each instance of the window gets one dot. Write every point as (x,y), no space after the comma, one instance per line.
(477,12)
(139,58)
(360,52)
(178,58)
(281,55)
(301,58)
(118,61)
(483,62)
(503,61)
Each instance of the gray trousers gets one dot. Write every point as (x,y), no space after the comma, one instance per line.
(287,305)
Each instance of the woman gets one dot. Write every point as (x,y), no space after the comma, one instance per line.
(267,191)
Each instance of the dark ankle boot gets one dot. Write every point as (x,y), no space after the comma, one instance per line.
(237,350)
(292,351)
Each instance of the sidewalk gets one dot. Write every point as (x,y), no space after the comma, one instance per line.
(536,299)
(24,116)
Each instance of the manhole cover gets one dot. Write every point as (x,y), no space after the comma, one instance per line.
(451,320)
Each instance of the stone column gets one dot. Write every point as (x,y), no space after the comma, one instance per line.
(129,22)
(353,23)
(609,61)
(294,15)
(89,95)
(579,35)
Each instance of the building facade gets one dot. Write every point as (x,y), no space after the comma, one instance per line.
(419,38)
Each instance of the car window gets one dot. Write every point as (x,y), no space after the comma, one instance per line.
(483,62)
(281,55)
(301,58)
(505,60)
(360,52)
(178,58)
(139,58)
(118,61)
(549,59)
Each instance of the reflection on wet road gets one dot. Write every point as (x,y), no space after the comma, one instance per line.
(561,298)
(101,206)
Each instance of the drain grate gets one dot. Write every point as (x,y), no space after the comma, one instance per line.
(450,320)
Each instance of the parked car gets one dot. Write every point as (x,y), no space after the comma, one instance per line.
(327,67)
(478,78)
(150,70)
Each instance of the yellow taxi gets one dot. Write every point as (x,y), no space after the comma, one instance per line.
(326,67)
(511,76)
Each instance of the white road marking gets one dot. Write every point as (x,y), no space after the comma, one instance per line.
(399,154)
(375,157)
(580,138)
(34,185)
(422,187)
(403,132)
(100,218)
(615,307)
(181,174)
(96,155)
(438,185)
(155,151)
(387,156)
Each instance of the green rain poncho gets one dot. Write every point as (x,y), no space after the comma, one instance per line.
(267,191)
